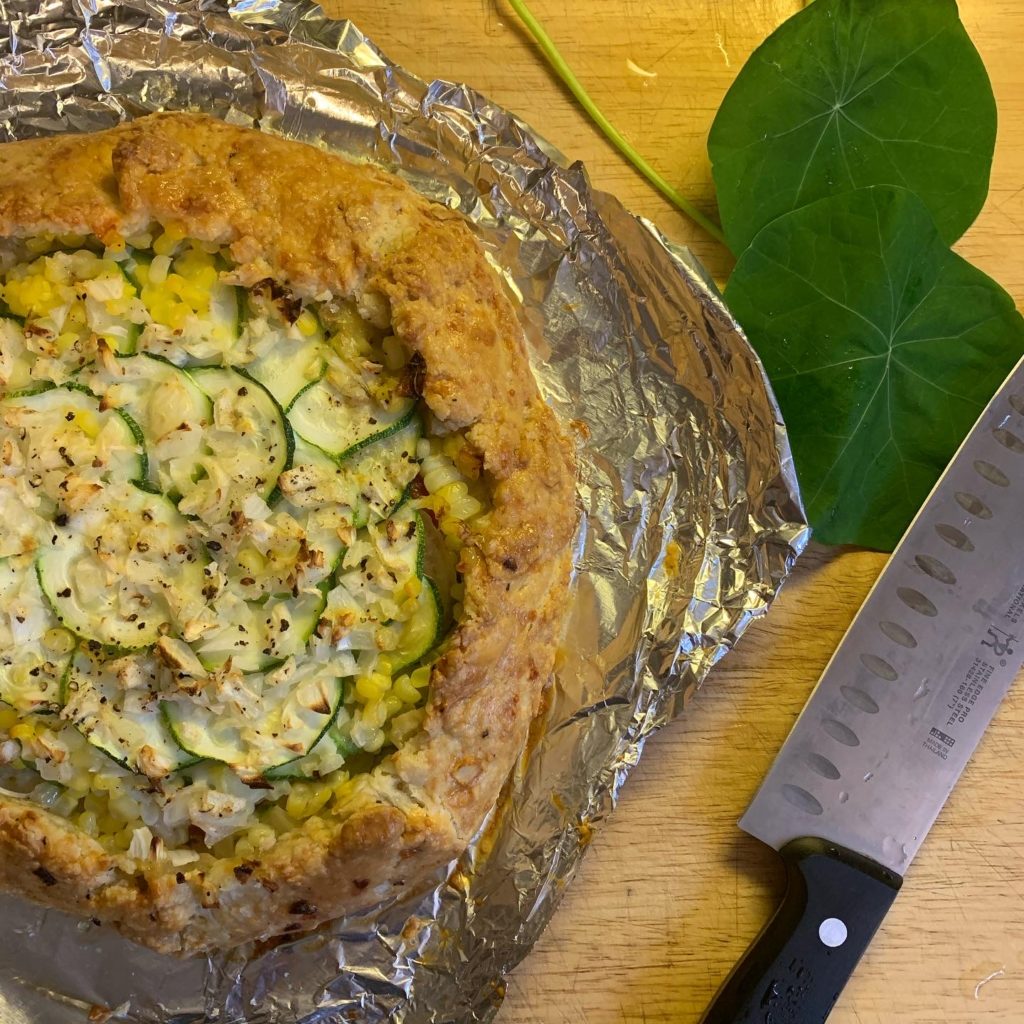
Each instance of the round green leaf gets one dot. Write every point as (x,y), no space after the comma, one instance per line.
(883,347)
(853,93)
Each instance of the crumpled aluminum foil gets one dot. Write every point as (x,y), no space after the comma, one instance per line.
(691,516)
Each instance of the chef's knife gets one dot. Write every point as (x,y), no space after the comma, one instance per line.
(889,727)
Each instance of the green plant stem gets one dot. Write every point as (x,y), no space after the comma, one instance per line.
(564,72)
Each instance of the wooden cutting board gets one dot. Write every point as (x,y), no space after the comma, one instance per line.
(671,892)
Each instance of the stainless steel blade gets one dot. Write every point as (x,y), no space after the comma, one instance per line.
(912,686)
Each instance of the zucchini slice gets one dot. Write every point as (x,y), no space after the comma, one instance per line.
(290,550)
(249,444)
(69,440)
(116,707)
(382,601)
(383,471)
(422,631)
(371,484)
(258,635)
(342,424)
(281,723)
(288,360)
(315,479)
(124,569)
(289,544)
(324,758)
(170,408)
(34,650)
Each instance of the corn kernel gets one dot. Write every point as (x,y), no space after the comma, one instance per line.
(245,849)
(166,243)
(276,820)
(403,690)
(66,341)
(318,798)
(372,687)
(124,807)
(87,822)
(108,826)
(451,445)
(23,731)
(97,805)
(295,805)
(160,273)
(79,784)
(252,561)
(58,640)
(8,717)
(340,784)
(375,714)
(306,323)
(65,804)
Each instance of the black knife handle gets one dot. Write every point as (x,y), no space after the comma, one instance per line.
(796,968)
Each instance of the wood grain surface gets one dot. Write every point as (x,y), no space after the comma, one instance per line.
(671,892)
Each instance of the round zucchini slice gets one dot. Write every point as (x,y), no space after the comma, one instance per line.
(288,360)
(342,424)
(383,602)
(294,549)
(325,757)
(258,635)
(315,479)
(383,471)
(249,444)
(170,408)
(34,650)
(116,706)
(282,722)
(371,484)
(422,631)
(124,570)
(71,443)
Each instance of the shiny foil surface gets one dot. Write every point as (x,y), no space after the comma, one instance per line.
(690,520)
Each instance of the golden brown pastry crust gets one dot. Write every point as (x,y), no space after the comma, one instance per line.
(321,224)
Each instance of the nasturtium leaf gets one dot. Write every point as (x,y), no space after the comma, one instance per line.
(853,93)
(883,347)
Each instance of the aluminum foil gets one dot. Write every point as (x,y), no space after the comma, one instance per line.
(690,512)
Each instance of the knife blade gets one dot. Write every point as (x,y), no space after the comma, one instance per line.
(888,729)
